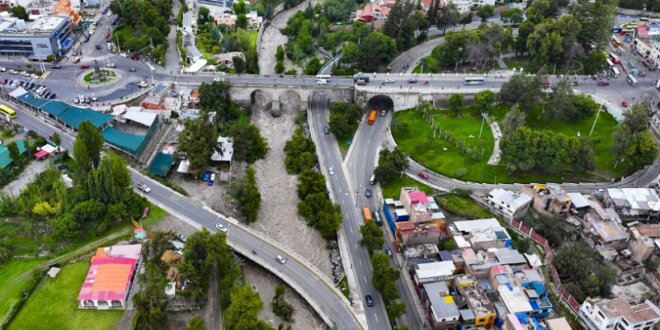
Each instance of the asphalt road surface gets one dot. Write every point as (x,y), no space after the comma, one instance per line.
(296,271)
(350,227)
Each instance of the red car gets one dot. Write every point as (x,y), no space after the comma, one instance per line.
(84,66)
(423,175)
(603,83)
(546,83)
(624,104)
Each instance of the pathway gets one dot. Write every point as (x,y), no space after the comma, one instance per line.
(29,174)
(497,136)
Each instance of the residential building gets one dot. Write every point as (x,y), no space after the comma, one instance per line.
(511,322)
(633,202)
(483,233)
(152,103)
(513,204)
(618,314)
(647,45)
(408,233)
(559,323)
(510,257)
(479,311)
(641,247)
(420,207)
(5,158)
(36,40)
(434,271)
(223,150)
(464,6)
(227,18)
(440,307)
(108,281)
(548,198)
(579,202)
(373,11)
(605,232)
(500,275)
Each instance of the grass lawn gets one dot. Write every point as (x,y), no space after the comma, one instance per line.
(446,158)
(12,284)
(343,287)
(19,235)
(463,207)
(393,189)
(54,300)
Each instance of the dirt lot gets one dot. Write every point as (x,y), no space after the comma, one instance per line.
(278,216)
(216,196)
(264,282)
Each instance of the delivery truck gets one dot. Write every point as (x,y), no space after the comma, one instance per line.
(372,116)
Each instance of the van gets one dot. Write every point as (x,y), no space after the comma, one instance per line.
(632,80)
(321,82)
(372,180)
(376,214)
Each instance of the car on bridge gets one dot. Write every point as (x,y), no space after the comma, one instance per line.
(389,81)
(280,259)
(423,175)
(412,81)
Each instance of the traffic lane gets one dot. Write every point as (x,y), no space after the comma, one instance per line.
(360,260)
(295,271)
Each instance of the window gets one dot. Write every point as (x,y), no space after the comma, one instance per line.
(624,322)
(601,315)
(620,327)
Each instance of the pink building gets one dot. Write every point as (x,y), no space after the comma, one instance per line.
(373,11)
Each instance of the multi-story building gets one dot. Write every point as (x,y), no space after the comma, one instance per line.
(479,311)
(36,40)
(513,204)
(465,6)
(548,198)
(618,314)
(434,271)
(646,43)
(483,233)
(633,202)
(420,207)
(440,307)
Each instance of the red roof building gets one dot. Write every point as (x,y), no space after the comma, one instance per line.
(373,11)
(109,278)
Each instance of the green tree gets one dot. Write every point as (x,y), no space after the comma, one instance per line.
(395,309)
(15,154)
(57,140)
(196,143)
(216,97)
(513,16)
(239,64)
(281,307)
(453,49)
(560,105)
(384,276)
(485,100)
(202,15)
(390,165)
(240,9)
(249,145)
(344,119)
(196,322)
(248,196)
(279,67)
(372,236)
(399,25)
(637,117)
(642,149)
(485,12)
(313,66)
(279,55)
(455,104)
(87,147)
(243,310)
(310,182)
(376,50)
(300,153)
(19,12)
(349,54)
(449,16)
(524,90)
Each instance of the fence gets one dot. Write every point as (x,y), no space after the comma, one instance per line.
(563,293)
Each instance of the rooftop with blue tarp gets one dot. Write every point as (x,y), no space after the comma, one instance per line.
(162,164)
(33,101)
(73,116)
(54,108)
(131,143)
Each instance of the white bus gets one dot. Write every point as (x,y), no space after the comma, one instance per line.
(474,81)
(632,80)
(324,76)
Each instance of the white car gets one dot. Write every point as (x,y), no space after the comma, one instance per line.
(143,84)
(280,259)
(321,82)
(389,81)
(217,79)
(25,74)
(143,187)
(111,65)
(123,55)
(221,227)
(13,71)
(3,69)
(331,171)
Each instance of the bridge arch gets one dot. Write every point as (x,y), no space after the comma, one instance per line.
(261,100)
(380,102)
(290,101)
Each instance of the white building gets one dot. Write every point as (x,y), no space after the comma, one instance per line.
(482,233)
(465,6)
(434,271)
(618,314)
(512,203)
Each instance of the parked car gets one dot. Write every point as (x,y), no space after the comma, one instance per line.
(13,71)
(143,84)
(603,83)
(280,259)
(388,251)
(111,65)
(211,179)
(143,187)
(206,176)
(131,69)
(123,55)
(221,227)
(52,96)
(423,175)
(84,66)
(370,300)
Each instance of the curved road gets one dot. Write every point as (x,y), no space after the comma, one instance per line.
(305,278)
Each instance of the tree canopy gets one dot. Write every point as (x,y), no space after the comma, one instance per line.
(249,144)
(196,143)
(372,236)
(390,165)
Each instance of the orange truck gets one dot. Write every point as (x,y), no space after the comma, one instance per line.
(366,214)
(372,116)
